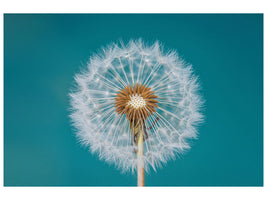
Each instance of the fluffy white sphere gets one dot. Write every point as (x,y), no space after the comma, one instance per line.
(106,132)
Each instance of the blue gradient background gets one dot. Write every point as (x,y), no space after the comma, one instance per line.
(43,52)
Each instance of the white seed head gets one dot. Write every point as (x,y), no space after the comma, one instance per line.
(169,129)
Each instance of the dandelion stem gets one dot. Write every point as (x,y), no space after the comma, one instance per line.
(140,160)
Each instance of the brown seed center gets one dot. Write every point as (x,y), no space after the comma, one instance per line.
(137,102)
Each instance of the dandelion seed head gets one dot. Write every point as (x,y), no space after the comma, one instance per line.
(135,83)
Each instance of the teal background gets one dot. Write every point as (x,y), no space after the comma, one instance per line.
(43,52)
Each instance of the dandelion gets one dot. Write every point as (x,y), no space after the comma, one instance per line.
(136,106)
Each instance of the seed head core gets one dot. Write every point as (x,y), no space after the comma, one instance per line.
(137,102)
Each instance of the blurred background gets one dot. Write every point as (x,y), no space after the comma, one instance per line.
(42,52)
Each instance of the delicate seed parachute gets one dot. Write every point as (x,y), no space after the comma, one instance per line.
(133,84)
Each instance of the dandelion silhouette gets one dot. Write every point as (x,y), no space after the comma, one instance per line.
(136,106)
